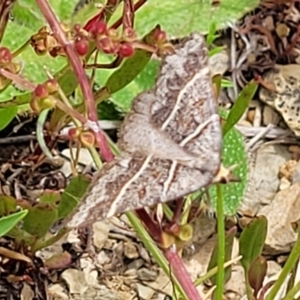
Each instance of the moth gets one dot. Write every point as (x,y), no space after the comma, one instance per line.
(170,141)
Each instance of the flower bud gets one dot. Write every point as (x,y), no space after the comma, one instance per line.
(5,55)
(41,91)
(126,50)
(87,139)
(52,86)
(81,46)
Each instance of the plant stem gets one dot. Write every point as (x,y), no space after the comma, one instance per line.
(157,253)
(80,74)
(290,263)
(221,244)
(40,244)
(182,275)
(291,294)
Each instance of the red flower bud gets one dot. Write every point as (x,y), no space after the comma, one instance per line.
(81,46)
(99,28)
(160,36)
(5,55)
(126,50)
(73,133)
(41,91)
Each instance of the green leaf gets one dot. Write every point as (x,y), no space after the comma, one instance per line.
(228,253)
(181,17)
(9,222)
(7,205)
(128,71)
(51,197)
(39,219)
(233,153)
(72,195)
(257,274)
(6,116)
(215,50)
(226,83)
(144,81)
(252,241)
(85,13)
(108,110)
(40,132)
(130,68)
(211,36)
(240,106)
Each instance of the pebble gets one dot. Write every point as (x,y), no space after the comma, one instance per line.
(136,264)
(146,274)
(130,250)
(270,116)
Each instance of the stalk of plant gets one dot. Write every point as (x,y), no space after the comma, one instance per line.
(221,244)
(288,266)
(81,77)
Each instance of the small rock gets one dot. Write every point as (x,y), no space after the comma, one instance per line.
(57,291)
(251,115)
(103,258)
(146,274)
(100,233)
(162,284)
(236,287)
(263,182)
(144,292)
(273,268)
(75,280)
(270,116)
(284,183)
(245,123)
(296,174)
(219,63)
(283,210)
(27,292)
(144,253)
(136,264)
(130,250)
(286,79)
(268,22)
(287,169)
(84,157)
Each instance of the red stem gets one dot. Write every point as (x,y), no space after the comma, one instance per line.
(182,275)
(154,230)
(81,76)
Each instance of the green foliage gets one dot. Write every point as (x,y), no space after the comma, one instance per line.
(72,195)
(229,238)
(252,241)
(240,106)
(39,219)
(233,154)
(6,116)
(9,222)
(181,17)
(257,274)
